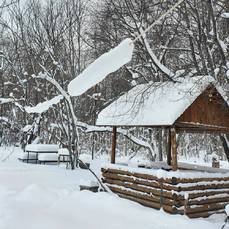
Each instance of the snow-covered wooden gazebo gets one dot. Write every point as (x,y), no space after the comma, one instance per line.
(194,104)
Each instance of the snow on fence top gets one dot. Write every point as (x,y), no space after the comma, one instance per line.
(42,148)
(97,71)
(161,173)
(154,103)
(43,107)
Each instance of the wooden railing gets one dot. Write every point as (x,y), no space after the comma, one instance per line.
(196,197)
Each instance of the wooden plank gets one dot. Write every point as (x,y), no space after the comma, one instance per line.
(205,208)
(208,201)
(172,180)
(138,175)
(140,201)
(204,187)
(139,195)
(149,190)
(174,149)
(196,180)
(204,214)
(148,183)
(114,142)
(169,156)
(145,196)
(207,193)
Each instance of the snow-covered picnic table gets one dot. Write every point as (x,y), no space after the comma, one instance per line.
(38,149)
(63,155)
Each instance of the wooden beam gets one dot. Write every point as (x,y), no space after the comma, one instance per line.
(174,149)
(169,158)
(114,141)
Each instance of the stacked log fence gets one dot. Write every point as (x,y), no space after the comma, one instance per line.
(194,197)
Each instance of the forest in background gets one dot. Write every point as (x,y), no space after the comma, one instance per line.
(60,38)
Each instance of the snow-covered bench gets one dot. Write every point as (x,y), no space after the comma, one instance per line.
(25,156)
(38,149)
(44,158)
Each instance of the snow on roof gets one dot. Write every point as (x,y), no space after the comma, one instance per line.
(154,103)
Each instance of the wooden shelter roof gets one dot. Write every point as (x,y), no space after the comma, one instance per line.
(193,103)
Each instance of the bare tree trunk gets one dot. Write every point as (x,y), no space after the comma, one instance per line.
(225,142)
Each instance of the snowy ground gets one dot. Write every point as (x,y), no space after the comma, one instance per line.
(48,197)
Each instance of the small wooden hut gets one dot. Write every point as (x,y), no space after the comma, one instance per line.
(194,104)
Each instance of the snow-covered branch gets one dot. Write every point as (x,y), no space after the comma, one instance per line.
(169,74)
(6,100)
(43,107)
(104,65)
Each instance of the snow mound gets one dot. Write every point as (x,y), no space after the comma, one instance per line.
(37,195)
(97,71)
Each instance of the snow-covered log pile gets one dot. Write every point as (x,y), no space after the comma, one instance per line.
(194,196)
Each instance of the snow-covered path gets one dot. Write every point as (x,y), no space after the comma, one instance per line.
(48,197)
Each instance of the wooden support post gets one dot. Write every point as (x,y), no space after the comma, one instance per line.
(174,148)
(114,140)
(169,157)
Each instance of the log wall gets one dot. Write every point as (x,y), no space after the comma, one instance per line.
(196,197)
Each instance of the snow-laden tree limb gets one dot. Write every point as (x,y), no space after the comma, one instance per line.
(89,128)
(74,136)
(169,74)
(4,119)
(160,18)
(104,65)
(43,107)
(6,100)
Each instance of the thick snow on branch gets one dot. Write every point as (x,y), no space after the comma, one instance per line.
(43,107)
(47,77)
(97,71)
(225,15)
(4,119)
(6,100)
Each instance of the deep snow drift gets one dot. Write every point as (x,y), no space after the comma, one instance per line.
(48,197)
